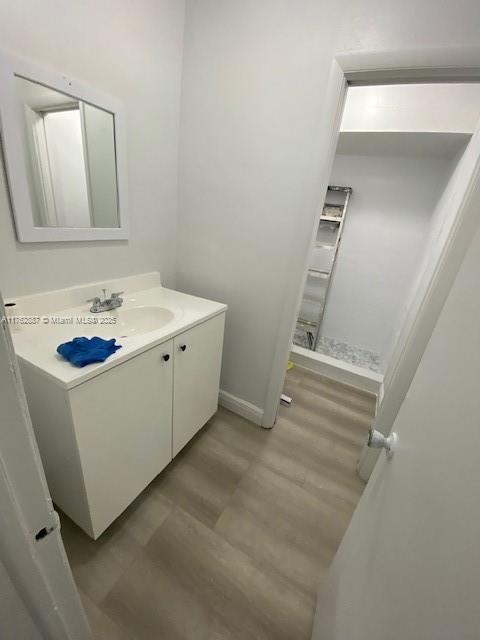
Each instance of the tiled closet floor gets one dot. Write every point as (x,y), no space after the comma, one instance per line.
(231,540)
(357,356)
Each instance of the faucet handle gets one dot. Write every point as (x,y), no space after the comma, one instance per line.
(95,300)
(117,294)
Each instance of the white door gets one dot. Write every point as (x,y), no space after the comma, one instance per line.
(197,364)
(38,598)
(409,565)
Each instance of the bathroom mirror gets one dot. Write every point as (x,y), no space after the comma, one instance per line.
(64,151)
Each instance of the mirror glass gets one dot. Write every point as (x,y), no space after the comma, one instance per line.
(71,169)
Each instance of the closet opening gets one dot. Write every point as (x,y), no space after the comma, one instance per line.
(380,224)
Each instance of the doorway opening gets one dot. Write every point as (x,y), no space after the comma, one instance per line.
(427,151)
(397,150)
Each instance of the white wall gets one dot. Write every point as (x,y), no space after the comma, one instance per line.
(439,107)
(134,52)
(255,75)
(440,222)
(384,237)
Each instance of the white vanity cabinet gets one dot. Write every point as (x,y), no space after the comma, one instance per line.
(104,440)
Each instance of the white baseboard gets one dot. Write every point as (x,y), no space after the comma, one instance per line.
(337,370)
(240,407)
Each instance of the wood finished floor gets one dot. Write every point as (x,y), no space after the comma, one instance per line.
(231,540)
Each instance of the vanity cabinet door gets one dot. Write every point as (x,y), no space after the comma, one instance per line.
(123,425)
(198,358)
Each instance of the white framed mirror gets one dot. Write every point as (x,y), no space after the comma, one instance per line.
(64,147)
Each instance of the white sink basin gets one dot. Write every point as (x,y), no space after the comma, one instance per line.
(142,320)
(121,323)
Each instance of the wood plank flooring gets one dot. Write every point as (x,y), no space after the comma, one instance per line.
(231,540)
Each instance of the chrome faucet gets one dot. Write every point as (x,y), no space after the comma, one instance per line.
(107,304)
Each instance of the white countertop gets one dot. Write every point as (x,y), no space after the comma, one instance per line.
(36,345)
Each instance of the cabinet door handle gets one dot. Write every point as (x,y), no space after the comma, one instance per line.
(182,347)
(166,357)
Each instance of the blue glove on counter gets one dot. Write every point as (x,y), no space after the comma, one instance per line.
(83,351)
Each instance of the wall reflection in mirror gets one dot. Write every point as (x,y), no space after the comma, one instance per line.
(71,168)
